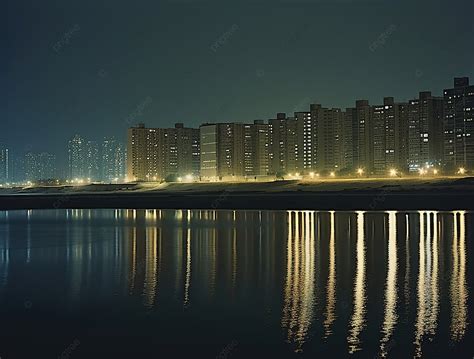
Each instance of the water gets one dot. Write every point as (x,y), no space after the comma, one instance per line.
(230,284)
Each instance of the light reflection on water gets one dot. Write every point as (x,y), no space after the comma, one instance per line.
(370,283)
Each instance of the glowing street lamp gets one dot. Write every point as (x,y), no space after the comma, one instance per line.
(461,171)
(360,171)
(332,174)
(189,177)
(311,174)
(435,171)
(393,172)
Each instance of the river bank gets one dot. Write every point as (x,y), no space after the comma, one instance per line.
(370,194)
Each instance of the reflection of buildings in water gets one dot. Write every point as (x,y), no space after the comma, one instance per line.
(234,257)
(407,264)
(330,314)
(145,248)
(153,250)
(200,254)
(178,238)
(458,288)
(28,237)
(5,250)
(77,255)
(428,285)
(390,311)
(212,257)
(299,283)
(187,283)
(357,322)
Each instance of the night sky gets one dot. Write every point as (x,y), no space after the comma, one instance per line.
(89,68)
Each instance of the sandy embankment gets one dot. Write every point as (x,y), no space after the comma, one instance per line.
(363,194)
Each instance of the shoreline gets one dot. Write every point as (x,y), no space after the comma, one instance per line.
(370,200)
(442,194)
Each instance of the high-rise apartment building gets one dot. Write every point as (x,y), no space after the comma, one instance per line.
(120,161)
(208,151)
(362,137)
(256,154)
(153,154)
(459,125)
(386,137)
(403,130)
(332,140)
(181,154)
(425,130)
(4,164)
(283,145)
(112,160)
(40,166)
(77,158)
(305,146)
(92,161)
(222,151)
(144,157)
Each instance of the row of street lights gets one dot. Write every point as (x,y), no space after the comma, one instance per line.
(393,172)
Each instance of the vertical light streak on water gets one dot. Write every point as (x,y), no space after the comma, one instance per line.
(178,242)
(151,258)
(390,311)
(234,258)
(307,273)
(213,257)
(330,314)
(289,277)
(299,282)
(434,274)
(421,309)
(295,297)
(188,267)
(407,263)
(357,322)
(28,240)
(133,266)
(458,291)
(5,253)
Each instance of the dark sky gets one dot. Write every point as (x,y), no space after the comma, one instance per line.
(152,61)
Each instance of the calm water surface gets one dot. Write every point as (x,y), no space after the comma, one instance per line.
(235,284)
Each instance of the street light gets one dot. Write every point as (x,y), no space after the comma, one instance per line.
(332,174)
(393,172)
(360,171)
(435,171)
(461,171)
